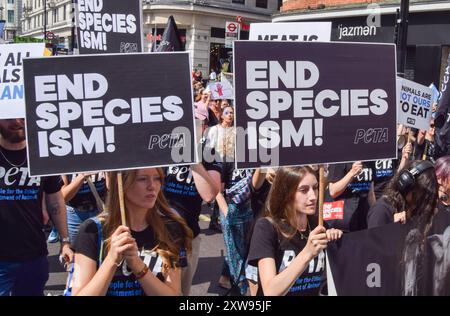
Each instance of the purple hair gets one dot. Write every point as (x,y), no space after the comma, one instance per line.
(442,168)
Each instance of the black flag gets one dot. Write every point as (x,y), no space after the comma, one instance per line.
(170,41)
(442,119)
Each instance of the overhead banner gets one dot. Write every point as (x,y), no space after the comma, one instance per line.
(12,103)
(310,102)
(108,112)
(291,31)
(109,26)
(395,259)
(415,106)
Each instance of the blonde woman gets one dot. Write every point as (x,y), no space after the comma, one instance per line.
(141,259)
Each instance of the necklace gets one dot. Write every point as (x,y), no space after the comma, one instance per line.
(12,164)
(305,235)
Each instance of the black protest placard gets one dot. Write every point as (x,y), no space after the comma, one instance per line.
(108,112)
(109,26)
(394,259)
(305,103)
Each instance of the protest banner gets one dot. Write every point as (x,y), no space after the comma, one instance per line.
(311,103)
(395,259)
(112,26)
(291,31)
(415,107)
(108,112)
(12,104)
(221,90)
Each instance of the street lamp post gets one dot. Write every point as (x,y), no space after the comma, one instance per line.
(402,37)
(2,21)
(45,20)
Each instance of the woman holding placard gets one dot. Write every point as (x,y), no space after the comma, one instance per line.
(117,261)
(286,249)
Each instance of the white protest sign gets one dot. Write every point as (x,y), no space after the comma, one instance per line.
(415,104)
(231,33)
(291,31)
(221,90)
(12,103)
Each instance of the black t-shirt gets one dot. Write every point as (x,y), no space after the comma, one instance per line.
(384,170)
(84,199)
(124,282)
(21,235)
(355,195)
(267,243)
(441,219)
(381,213)
(259,197)
(182,194)
(212,119)
(231,176)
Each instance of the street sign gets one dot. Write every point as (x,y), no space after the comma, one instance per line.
(231,33)
(50,35)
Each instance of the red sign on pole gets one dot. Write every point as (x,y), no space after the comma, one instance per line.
(232,27)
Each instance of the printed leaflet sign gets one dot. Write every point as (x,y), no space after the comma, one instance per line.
(310,102)
(12,103)
(415,104)
(108,112)
(109,26)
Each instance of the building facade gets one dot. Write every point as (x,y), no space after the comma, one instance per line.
(53,17)
(428,43)
(11,10)
(201,23)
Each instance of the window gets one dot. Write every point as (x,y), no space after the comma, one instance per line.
(10,16)
(11,1)
(238,1)
(55,15)
(261,4)
(64,13)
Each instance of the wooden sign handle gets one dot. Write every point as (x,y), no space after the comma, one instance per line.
(121,199)
(321,193)
(98,200)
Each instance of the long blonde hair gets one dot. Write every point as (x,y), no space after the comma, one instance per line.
(167,246)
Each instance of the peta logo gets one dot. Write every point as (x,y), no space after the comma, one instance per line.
(167,141)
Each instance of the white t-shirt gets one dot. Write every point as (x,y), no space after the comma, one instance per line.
(222,140)
(212,76)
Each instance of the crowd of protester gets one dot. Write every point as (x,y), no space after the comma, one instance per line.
(268,217)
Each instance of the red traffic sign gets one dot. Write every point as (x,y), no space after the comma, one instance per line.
(50,35)
(231,27)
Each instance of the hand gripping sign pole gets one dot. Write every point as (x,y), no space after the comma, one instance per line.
(121,200)
(321,193)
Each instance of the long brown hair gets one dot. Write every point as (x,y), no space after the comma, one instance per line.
(280,206)
(167,246)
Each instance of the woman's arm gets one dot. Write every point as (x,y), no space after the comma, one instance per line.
(87,281)
(69,190)
(222,203)
(258,179)
(337,188)
(274,284)
(406,152)
(153,286)
(206,182)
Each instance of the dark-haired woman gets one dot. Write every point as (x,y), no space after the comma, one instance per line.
(285,246)
(400,203)
(141,259)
